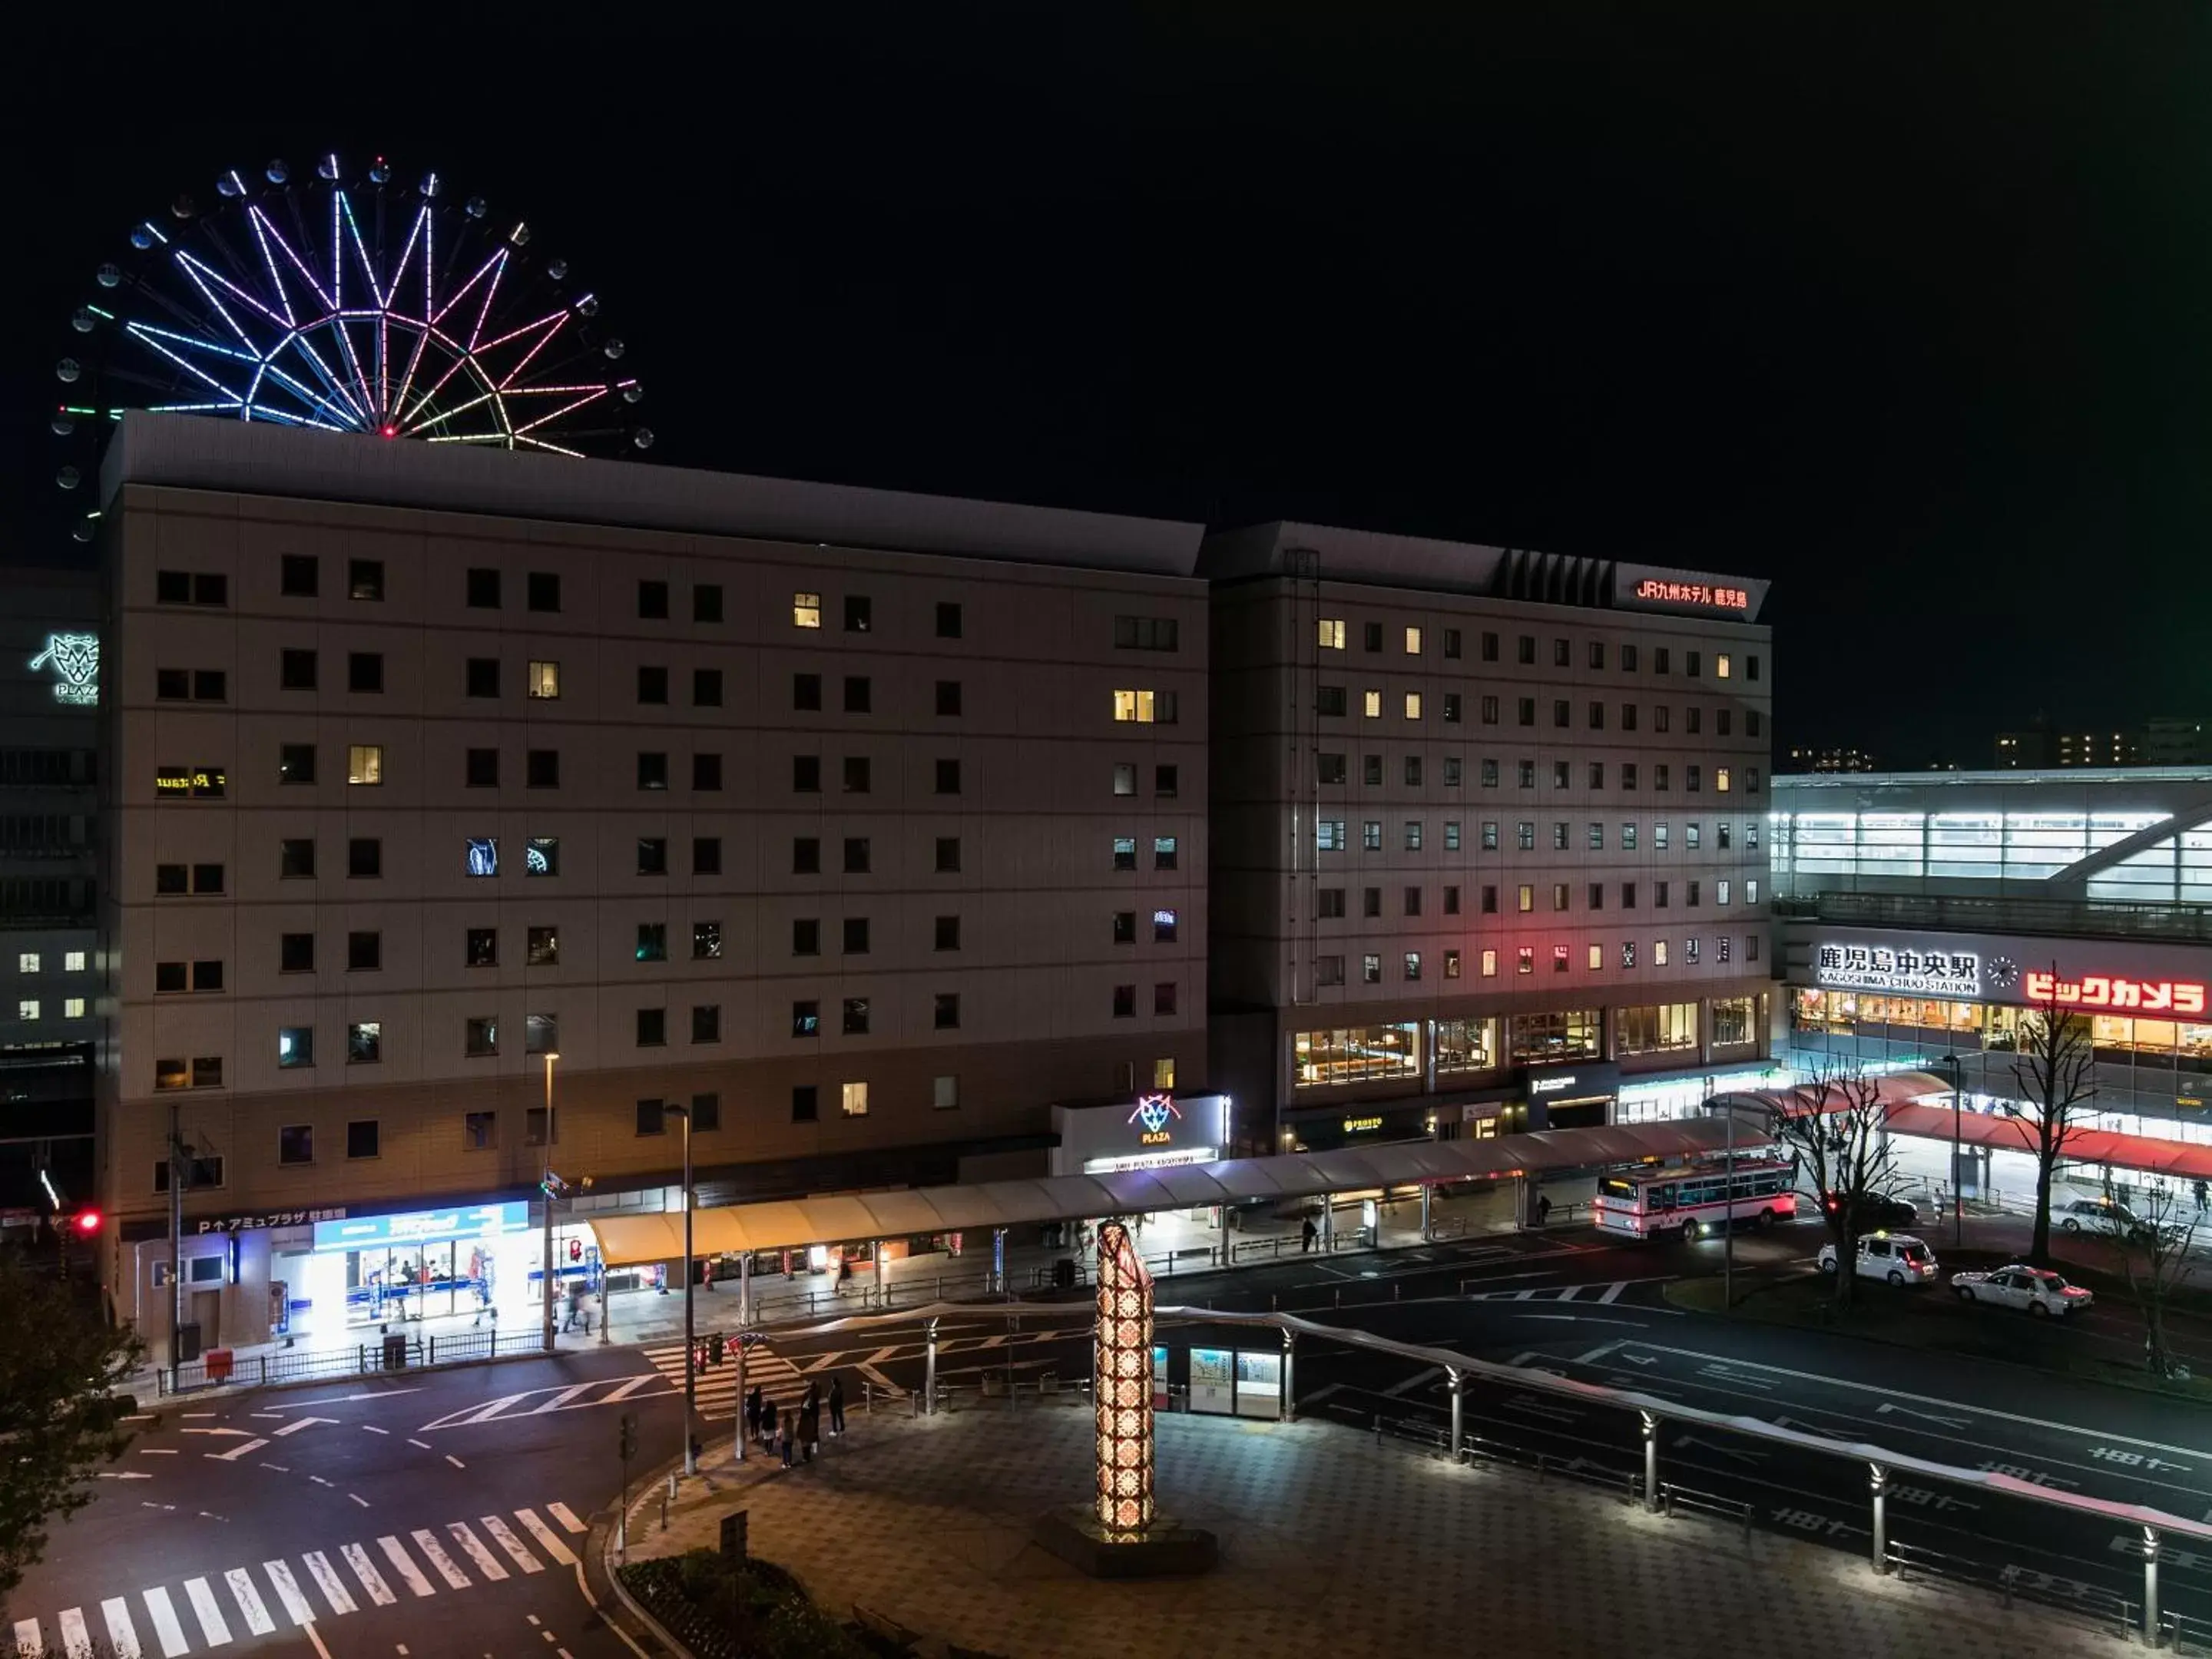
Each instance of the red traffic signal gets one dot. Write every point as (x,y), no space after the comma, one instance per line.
(86,1222)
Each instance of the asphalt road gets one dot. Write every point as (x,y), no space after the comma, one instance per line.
(236,1518)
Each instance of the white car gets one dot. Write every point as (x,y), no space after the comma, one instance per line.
(1898,1257)
(2042,1292)
(2103,1215)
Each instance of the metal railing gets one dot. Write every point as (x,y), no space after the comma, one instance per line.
(2186,1635)
(2079,918)
(1673,1498)
(395,1353)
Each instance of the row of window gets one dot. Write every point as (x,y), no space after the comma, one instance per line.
(1329,905)
(30,1008)
(1365,1054)
(299,763)
(1330,770)
(1329,970)
(34,962)
(1414,832)
(1332,701)
(1332,633)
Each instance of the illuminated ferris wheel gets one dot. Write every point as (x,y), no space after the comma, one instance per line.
(352,304)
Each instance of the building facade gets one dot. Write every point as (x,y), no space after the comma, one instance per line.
(865,827)
(1923,917)
(1487,834)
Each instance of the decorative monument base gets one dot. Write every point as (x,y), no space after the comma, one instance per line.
(1162,1550)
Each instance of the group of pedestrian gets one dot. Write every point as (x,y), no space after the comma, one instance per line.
(794,1432)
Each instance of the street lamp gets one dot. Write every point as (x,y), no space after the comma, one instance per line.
(547,1186)
(1951,1063)
(690,1345)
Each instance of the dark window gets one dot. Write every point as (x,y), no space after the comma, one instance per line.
(653,855)
(1451,708)
(1562,654)
(1125,1002)
(1751,723)
(806,936)
(1628,660)
(364,856)
(652,769)
(1525,711)
(706,687)
(706,856)
(1751,668)
(856,936)
(296,953)
(1527,648)
(652,684)
(483,589)
(948,855)
(480,1130)
(1164,998)
(948,620)
(652,601)
(296,671)
(1165,781)
(705,771)
(362,1138)
(1451,643)
(1125,927)
(856,775)
(483,947)
(296,1143)
(1329,700)
(856,855)
(364,671)
(805,856)
(171,684)
(806,1022)
(210,685)
(805,1102)
(365,579)
(296,859)
(651,1118)
(169,977)
(299,576)
(947,1011)
(706,1027)
(483,769)
(651,942)
(856,1016)
(172,587)
(806,691)
(364,952)
(651,1027)
(207,877)
(860,696)
(1562,713)
(948,777)
(948,697)
(1370,635)
(807,775)
(483,677)
(295,762)
(859,615)
(948,932)
(544,590)
(707,602)
(541,769)
(1146,634)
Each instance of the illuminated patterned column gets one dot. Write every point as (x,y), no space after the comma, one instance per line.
(1122,1383)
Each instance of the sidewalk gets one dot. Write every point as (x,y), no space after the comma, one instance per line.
(1330,1545)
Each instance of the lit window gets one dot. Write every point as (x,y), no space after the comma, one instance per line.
(1720,892)
(1526,963)
(1490,964)
(542,857)
(1751,892)
(1451,964)
(1145,707)
(1558,958)
(1597,958)
(853,1096)
(27,962)
(945,1093)
(807,612)
(1164,1072)
(365,763)
(1720,779)
(73,960)
(1659,953)
(73,1008)
(1721,666)
(1332,633)
(483,855)
(1413,705)
(1412,641)
(1371,704)
(28,1008)
(545,679)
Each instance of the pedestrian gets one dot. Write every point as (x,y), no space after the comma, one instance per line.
(844,1274)
(837,1407)
(753,1412)
(1543,1209)
(785,1430)
(1307,1233)
(810,1425)
(2203,1196)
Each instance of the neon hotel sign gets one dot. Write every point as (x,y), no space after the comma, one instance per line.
(1718,598)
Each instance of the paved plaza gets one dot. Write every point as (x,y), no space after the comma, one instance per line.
(1330,1544)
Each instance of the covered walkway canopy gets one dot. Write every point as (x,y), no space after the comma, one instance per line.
(628,1240)
(2185,1160)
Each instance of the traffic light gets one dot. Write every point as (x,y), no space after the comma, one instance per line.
(629,1427)
(85,1223)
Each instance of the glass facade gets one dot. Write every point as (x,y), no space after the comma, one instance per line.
(1573,1034)
(1464,1045)
(1995,1026)
(1658,1028)
(1735,1021)
(1359,1053)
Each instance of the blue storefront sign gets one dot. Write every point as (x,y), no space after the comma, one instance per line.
(415,1226)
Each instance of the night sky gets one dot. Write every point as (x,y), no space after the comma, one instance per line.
(1906,308)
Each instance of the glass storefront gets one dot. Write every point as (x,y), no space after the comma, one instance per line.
(1573,1034)
(1359,1053)
(1659,1028)
(1996,1025)
(1463,1045)
(1735,1021)
(478,1260)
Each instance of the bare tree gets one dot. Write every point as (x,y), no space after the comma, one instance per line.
(1833,1125)
(2057,1074)
(2155,1254)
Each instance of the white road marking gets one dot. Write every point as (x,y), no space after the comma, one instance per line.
(455,1462)
(250,1605)
(200,1414)
(167,1630)
(288,1592)
(562,1398)
(404,1564)
(327,1581)
(316,1642)
(231,1434)
(546,1536)
(427,1543)
(280,1469)
(371,1428)
(275,1414)
(370,1579)
(77,1640)
(206,1610)
(503,1535)
(157,1451)
(1612,1291)
(487,1563)
(299,1423)
(112,1474)
(424,1444)
(236,1452)
(632,1386)
(358,1499)
(319,1479)
(566,1517)
(341,1399)
(122,1634)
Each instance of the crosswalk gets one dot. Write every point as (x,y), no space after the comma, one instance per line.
(1602,1294)
(780,1383)
(378,1572)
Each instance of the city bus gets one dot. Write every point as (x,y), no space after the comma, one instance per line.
(1693,1201)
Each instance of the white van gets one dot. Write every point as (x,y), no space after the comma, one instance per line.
(1899,1258)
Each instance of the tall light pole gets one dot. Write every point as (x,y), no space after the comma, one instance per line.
(1951,1063)
(690,1342)
(546,1187)
(1727,1214)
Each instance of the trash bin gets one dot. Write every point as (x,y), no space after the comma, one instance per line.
(395,1351)
(218,1364)
(1063,1273)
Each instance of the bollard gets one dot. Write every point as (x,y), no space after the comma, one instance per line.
(1288,1410)
(1378,1428)
(1650,1461)
(1878,1478)
(2150,1586)
(929,1369)
(1458,1440)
